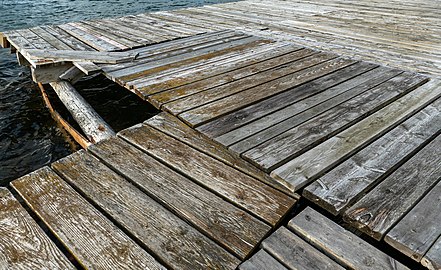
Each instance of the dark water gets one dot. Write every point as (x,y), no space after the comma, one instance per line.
(29,138)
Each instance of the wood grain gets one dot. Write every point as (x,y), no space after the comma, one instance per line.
(90,237)
(175,128)
(233,228)
(308,166)
(432,259)
(23,244)
(247,97)
(238,188)
(387,203)
(301,138)
(340,244)
(262,261)
(350,180)
(177,244)
(296,253)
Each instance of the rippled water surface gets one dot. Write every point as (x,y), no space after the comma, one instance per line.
(29,138)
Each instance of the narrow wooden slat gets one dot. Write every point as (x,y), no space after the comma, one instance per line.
(116,33)
(287,104)
(87,234)
(432,259)
(387,203)
(159,230)
(92,56)
(262,261)
(307,167)
(236,187)
(351,179)
(182,86)
(23,244)
(295,253)
(73,42)
(87,67)
(91,40)
(419,229)
(54,41)
(175,128)
(233,228)
(305,59)
(35,40)
(237,101)
(340,244)
(301,138)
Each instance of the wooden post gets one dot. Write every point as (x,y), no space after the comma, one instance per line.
(95,128)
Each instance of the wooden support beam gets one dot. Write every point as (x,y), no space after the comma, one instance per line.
(48,74)
(95,128)
(22,61)
(72,75)
(4,41)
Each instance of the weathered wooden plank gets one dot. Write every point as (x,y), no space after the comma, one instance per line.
(4,40)
(295,253)
(122,30)
(92,56)
(352,179)
(91,40)
(308,166)
(132,73)
(87,67)
(262,261)
(48,74)
(388,202)
(233,228)
(182,86)
(94,241)
(340,244)
(101,35)
(258,117)
(95,128)
(176,243)
(35,40)
(432,259)
(247,97)
(292,63)
(301,138)
(175,128)
(72,75)
(73,42)
(238,188)
(23,244)
(48,37)
(419,229)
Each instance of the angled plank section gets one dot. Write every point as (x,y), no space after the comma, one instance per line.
(177,244)
(262,261)
(233,228)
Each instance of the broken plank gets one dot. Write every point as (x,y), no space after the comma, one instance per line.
(296,253)
(175,128)
(310,165)
(240,189)
(81,56)
(350,180)
(90,237)
(87,67)
(262,261)
(378,211)
(299,139)
(162,233)
(234,229)
(340,244)
(207,112)
(72,75)
(23,244)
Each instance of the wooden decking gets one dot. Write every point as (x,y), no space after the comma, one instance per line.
(261,100)
(166,211)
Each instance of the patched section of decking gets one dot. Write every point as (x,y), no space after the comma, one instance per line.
(154,197)
(312,241)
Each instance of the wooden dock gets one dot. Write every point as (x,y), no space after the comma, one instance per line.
(265,104)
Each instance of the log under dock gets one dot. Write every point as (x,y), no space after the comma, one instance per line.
(293,135)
